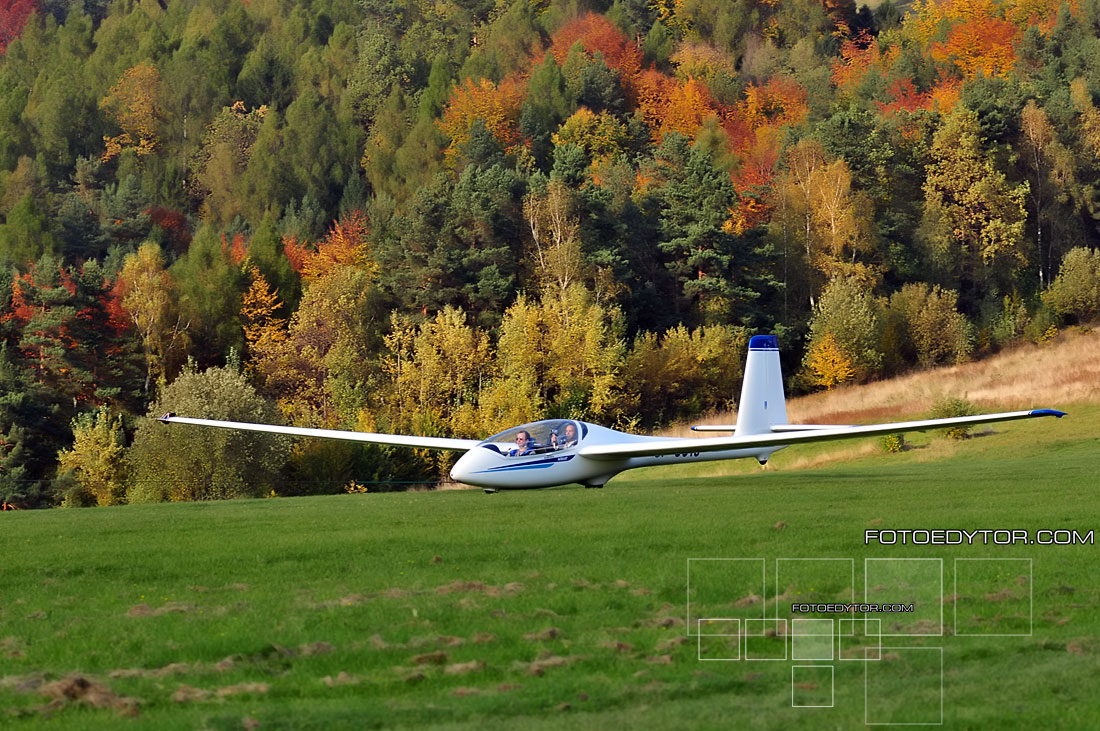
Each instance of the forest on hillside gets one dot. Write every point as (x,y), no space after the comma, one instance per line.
(451,217)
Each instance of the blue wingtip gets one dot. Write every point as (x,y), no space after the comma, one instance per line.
(1048,412)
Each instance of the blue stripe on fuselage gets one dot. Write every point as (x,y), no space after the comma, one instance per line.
(537,465)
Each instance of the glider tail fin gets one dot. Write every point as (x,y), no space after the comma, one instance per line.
(762,403)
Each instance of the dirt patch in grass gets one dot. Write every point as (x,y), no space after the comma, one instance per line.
(431,658)
(481,638)
(351,600)
(480,587)
(747,601)
(243,688)
(659,659)
(464,668)
(661,622)
(618,646)
(463,691)
(550,633)
(144,610)
(12,647)
(176,668)
(80,690)
(540,666)
(341,678)
(190,694)
(315,648)
(670,643)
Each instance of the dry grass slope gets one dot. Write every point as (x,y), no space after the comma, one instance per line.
(1053,375)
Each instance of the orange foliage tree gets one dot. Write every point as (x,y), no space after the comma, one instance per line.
(345,245)
(980,46)
(497,106)
(597,34)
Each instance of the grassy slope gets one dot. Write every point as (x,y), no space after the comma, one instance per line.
(259,581)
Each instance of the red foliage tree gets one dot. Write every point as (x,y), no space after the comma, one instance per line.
(13,16)
(174,224)
(597,33)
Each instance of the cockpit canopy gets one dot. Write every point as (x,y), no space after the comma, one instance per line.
(540,437)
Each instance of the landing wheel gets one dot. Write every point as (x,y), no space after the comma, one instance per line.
(490,491)
(593,487)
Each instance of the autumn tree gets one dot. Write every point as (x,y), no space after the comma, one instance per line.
(317,372)
(682,373)
(974,218)
(436,372)
(262,330)
(13,14)
(134,102)
(97,456)
(828,363)
(146,293)
(498,107)
(847,313)
(1050,168)
(221,160)
(555,232)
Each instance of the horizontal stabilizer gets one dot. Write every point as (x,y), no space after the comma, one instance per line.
(775,428)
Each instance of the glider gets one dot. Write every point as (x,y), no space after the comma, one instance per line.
(564,451)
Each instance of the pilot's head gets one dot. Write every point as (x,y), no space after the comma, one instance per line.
(570,432)
(522,438)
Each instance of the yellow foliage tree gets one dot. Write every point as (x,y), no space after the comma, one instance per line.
(96,457)
(146,289)
(828,363)
(134,102)
(262,330)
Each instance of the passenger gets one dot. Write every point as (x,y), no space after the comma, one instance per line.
(524,444)
(555,443)
(569,439)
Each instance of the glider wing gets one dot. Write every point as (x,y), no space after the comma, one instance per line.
(397,440)
(657,447)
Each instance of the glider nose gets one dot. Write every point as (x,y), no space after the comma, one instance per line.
(463,469)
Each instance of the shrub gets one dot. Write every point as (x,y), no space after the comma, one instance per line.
(930,326)
(893,443)
(176,462)
(847,311)
(949,407)
(1075,292)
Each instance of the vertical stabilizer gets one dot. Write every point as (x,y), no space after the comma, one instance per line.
(762,403)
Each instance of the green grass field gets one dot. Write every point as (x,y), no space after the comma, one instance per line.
(566,608)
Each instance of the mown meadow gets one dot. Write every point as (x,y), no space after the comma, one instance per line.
(553,608)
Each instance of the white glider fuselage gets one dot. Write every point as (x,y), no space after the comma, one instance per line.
(498,465)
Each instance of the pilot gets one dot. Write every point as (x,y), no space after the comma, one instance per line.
(524,444)
(569,439)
